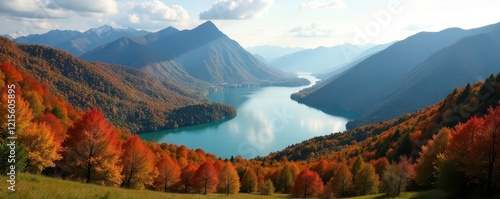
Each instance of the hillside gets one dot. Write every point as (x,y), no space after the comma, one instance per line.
(198,56)
(368,80)
(47,119)
(469,60)
(330,72)
(131,98)
(385,139)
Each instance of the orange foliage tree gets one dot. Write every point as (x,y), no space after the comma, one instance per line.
(93,150)
(341,182)
(56,128)
(307,184)
(206,178)
(138,164)
(425,168)
(168,173)
(324,169)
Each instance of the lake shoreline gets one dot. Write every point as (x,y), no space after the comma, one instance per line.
(267,120)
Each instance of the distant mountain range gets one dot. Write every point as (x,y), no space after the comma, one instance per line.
(409,74)
(16,35)
(319,59)
(271,53)
(192,57)
(77,43)
(356,60)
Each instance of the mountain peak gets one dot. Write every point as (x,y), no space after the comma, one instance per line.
(168,30)
(102,29)
(17,34)
(208,26)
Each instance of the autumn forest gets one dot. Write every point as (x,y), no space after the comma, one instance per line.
(123,108)
(416,151)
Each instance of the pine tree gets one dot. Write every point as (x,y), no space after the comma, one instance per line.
(285,180)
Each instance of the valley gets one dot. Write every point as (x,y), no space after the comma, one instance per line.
(267,121)
(249,99)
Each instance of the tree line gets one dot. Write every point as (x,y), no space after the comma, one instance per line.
(57,140)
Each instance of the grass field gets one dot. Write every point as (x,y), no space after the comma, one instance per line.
(432,194)
(36,186)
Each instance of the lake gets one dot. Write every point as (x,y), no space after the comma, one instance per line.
(267,121)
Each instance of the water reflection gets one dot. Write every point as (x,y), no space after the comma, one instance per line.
(268,120)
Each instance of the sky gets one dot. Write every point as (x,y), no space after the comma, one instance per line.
(285,23)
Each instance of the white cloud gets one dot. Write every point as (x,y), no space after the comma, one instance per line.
(313,30)
(87,6)
(318,4)
(237,9)
(133,18)
(56,8)
(259,31)
(156,11)
(417,27)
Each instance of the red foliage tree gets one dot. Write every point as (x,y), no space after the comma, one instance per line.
(187,177)
(380,165)
(206,178)
(11,73)
(93,150)
(307,184)
(476,147)
(56,128)
(486,150)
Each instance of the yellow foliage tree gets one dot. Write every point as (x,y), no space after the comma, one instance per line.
(229,181)
(41,148)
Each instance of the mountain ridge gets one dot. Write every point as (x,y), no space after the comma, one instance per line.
(356,88)
(318,59)
(143,100)
(203,55)
(76,42)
